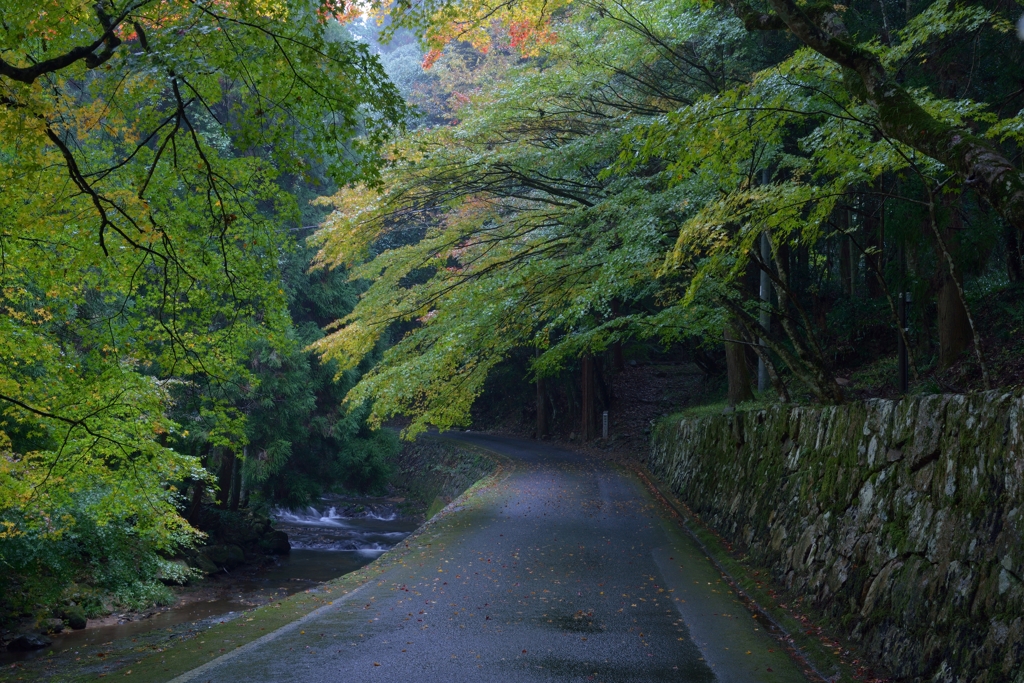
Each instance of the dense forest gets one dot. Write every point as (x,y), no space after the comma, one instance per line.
(239,236)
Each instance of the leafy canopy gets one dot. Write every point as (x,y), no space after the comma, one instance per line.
(637,159)
(144,147)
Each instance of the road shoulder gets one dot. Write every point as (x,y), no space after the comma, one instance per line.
(807,645)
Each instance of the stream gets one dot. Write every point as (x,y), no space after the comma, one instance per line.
(337,537)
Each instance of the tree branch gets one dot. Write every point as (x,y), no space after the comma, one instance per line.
(975,160)
(108,40)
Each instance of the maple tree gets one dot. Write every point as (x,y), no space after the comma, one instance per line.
(144,150)
(580,176)
(870,74)
(617,183)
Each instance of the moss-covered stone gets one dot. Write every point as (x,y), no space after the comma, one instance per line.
(75,617)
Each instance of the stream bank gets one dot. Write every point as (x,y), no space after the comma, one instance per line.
(338,537)
(335,538)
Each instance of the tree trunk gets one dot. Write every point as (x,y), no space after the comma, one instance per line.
(761,350)
(589,426)
(198,488)
(736,367)
(766,315)
(225,476)
(874,236)
(542,410)
(954,327)
(847,257)
(802,269)
(1014,255)
(243,490)
(805,344)
(604,389)
(236,485)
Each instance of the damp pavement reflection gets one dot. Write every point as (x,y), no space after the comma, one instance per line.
(564,570)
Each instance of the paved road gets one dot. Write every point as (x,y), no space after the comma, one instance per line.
(565,571)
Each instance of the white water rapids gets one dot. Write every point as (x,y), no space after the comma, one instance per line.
(351,528)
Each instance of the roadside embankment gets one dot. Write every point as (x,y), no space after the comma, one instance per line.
(895,523)
(435,470)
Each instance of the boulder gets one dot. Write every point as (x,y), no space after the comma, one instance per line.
(241,533)
(51,626)
(217,554)
(276,543)
(29,641)
(200,561)
(75,617)
(236,556)
(227,556)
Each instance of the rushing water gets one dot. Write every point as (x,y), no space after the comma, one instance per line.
(328,541)
(370,531)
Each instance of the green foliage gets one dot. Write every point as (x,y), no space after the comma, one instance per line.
(145,215)
(613,180)
(300,441)
(542,240)
(117,556)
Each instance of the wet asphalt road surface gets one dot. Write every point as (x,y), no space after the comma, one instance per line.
(566,570)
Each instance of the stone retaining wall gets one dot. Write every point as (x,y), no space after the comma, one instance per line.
(898,522)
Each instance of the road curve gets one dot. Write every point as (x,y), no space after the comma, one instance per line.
(564,570)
